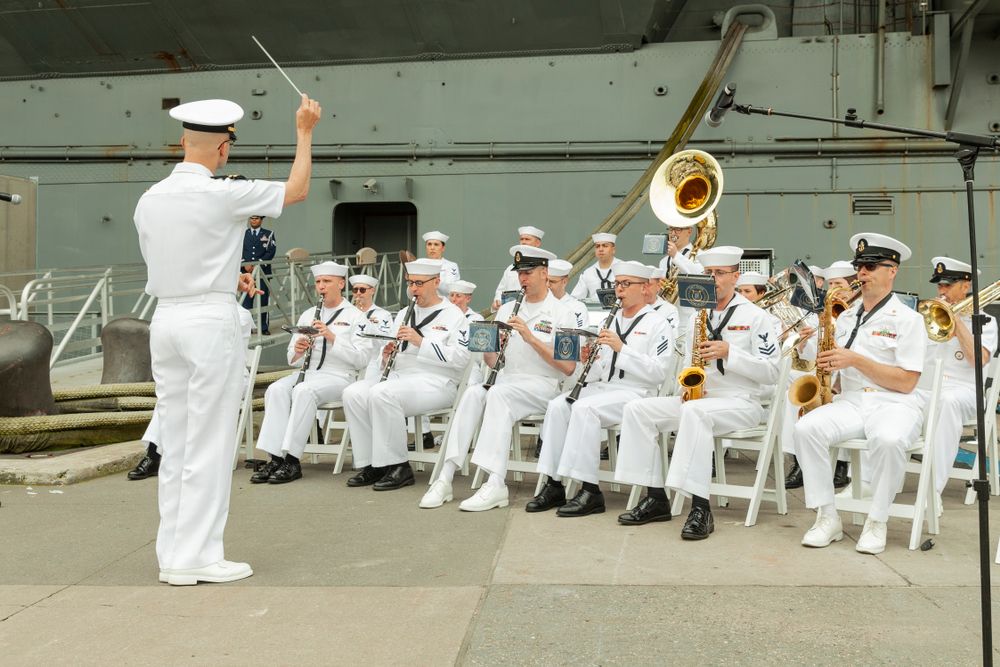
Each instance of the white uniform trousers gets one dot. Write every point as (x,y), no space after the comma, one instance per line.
(290,410)
(696,424)
(958,405)
(890,428)
(511,399)
(197,359)
(571,433)
(377,411)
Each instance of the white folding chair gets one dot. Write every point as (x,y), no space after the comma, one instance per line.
(924,507)
(419,455)
(992,371)
(244,426)
(762,439)
(330,424)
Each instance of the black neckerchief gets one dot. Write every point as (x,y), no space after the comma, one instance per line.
(605,280)
(418,327)
(716,333)
(624,337)
(322,356)
(867,316)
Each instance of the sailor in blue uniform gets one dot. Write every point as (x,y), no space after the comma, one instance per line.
(258,245)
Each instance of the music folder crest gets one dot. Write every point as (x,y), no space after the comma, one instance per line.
(696,291)
(485,336)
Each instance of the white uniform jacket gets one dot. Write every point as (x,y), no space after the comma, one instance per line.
(681,260)
(508,282)
(754,351)
(449,274)
(348,354)
(892,335)
(445,348)
(645,357)
(542,318)
(669,312)
(957,369)
(592,279)
(577,308)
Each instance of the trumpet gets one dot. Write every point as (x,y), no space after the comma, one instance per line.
(502,352)
(582,381)
(408,319)
(939,316)
(309,351)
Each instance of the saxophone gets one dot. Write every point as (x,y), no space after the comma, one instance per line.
(692,378)
(811,391)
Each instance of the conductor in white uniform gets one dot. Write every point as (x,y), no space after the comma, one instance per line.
(197,354)
(524,386)
(879,357)
(290,404)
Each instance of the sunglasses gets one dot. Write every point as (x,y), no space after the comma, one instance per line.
(360,290)
(870,266)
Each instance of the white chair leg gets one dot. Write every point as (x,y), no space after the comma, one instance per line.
(633,497)
(720,469)
(856,484)
(345,441)
(921,510)
(678,505)
(515,450)
(541,483)
(477,479)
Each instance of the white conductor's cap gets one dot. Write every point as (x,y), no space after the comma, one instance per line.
(217,116)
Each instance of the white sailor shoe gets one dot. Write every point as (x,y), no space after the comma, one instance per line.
(486,498)
(826,530)
(216,573)
(872,540)
(437,495)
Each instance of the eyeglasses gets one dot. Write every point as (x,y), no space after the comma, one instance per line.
(625,284)
(718,272)
(360,290)
(870,266)
(418,283)
(227,141)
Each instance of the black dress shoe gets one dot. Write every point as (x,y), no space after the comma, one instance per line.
(794,478)
(583,503)
(550,496)
(366,476)
(699,524)
(149,466)
(286,472)
(840,478)
(265,332)
(397,477)
(647,511)
(264,474)
(428,443)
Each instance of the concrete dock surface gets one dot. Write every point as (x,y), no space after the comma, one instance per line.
(354,576)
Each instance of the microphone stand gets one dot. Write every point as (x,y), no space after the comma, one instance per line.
(968,150)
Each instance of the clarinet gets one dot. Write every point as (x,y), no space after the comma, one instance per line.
(407,322)
(582,382)
(309,352)
(502,352)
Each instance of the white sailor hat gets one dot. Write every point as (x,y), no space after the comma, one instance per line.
(559,268)
(424,267)
(528,230)
(604,238)
(217,116)
(723,255)
(461,286)
(948,270)
(363,279)
(633,268)
(871,247)
(328,269)
(436,236)
(839,269)
(751,278)
(817,270)
(528,256)
(658,273)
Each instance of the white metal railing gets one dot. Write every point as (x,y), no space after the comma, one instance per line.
(76,304)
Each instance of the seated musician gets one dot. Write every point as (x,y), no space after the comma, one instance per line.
(558,281)
(526,235)
(432,336)
(662,306)
(739,352)
(600,274)
(878,356)
(529,379)
(635,351)
(958,389)
(377,319)
(337,356)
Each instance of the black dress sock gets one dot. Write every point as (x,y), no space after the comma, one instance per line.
(698,501)
(554,482)
(151,451)
(290,459)
(657,493)
(591,487)
(277,459)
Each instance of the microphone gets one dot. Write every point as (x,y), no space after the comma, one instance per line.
(13,199)
(713,117)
